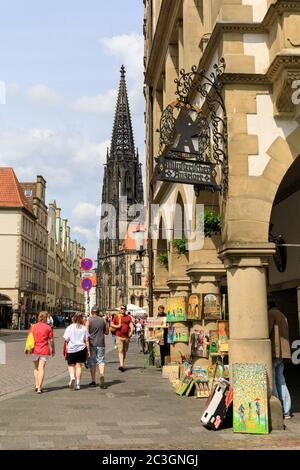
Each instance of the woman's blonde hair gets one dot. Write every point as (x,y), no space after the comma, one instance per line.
(43,316)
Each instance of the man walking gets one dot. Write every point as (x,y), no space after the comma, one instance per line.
(124,328)
(279,335)
(97,328)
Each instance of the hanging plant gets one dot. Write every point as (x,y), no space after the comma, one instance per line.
(212,223)
(163,259)
(180,245)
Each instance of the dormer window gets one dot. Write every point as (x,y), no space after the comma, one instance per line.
(28,192)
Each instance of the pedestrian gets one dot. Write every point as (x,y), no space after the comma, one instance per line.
(124,328)
(78,349)
(50,321)
(97,328)
(43,336)
(281,352)
(138,328)
(163,344)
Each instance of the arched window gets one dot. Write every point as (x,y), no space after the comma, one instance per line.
(141,301)
(132,300)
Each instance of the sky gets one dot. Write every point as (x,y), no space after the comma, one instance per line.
(60,65)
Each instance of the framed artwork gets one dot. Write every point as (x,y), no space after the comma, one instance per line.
(199,342)
(170,338)
(176,309)
(154,334)
(223,333)
(212,306)
(159,322)
(170,372)
(194,310)
(184,385)
(181,334)
(213,341)
(250,399)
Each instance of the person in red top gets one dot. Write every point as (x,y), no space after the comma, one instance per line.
(43,335)
(123,326)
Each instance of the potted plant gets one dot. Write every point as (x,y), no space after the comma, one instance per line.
(180,245)
(212,223)
(163,259)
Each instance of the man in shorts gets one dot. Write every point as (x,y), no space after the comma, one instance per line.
(124,328)
(97,328)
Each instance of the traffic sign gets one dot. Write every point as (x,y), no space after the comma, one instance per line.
(86,284)
(86,264)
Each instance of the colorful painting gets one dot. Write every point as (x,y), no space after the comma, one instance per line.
(170,338)
(176,309)
(159,322)
(250,399)
(194,311)
(184,385)
(223,332)
(212,306)
(181,334)
(213,341)
(199,343)
(154,334)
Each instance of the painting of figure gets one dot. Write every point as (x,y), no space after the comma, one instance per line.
(176,309)
(199,343)
(194,307)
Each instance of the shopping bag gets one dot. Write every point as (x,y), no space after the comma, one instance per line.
(29,346)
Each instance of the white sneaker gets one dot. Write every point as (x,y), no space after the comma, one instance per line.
(72,383)
(77,387)
(115,347)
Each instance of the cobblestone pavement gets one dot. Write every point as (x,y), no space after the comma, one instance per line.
(139,410)
(16,375)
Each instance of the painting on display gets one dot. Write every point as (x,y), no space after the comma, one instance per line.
(199,342)
(213,341)
(176,309)
(154,334)
(170,338)
(181,334)
(159,322)
(184,385)
(212,306)
(223,333)
(194,311)
(250,399)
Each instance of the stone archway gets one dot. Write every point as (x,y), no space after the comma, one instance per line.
(6,305)
(284,269)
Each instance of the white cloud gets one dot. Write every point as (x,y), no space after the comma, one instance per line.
(84,213)
(102,104)
(42,94)
(129,50)
(87,234)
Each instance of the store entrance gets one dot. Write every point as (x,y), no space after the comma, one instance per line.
(5,311)
(284,269)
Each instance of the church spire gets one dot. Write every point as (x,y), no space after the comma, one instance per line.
(122,143)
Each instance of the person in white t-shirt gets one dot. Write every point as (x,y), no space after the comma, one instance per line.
(78,349)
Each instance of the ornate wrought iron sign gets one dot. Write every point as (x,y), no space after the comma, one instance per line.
(187,171)
(193,136)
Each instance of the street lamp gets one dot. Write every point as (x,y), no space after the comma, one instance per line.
(139,236)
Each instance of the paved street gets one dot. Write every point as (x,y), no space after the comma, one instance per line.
(139,410)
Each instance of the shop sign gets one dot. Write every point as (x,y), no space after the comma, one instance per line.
(177,170)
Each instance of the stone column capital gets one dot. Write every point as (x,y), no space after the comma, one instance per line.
(246,255)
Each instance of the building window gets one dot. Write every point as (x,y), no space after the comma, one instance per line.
(141,301)
(28,192)
(132,300)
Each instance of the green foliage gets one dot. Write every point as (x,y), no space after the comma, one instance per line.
(180,245)
(212,223)
(163,259)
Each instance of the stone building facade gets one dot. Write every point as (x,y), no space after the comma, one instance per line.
(260,43)
(121,205)
(40,265)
